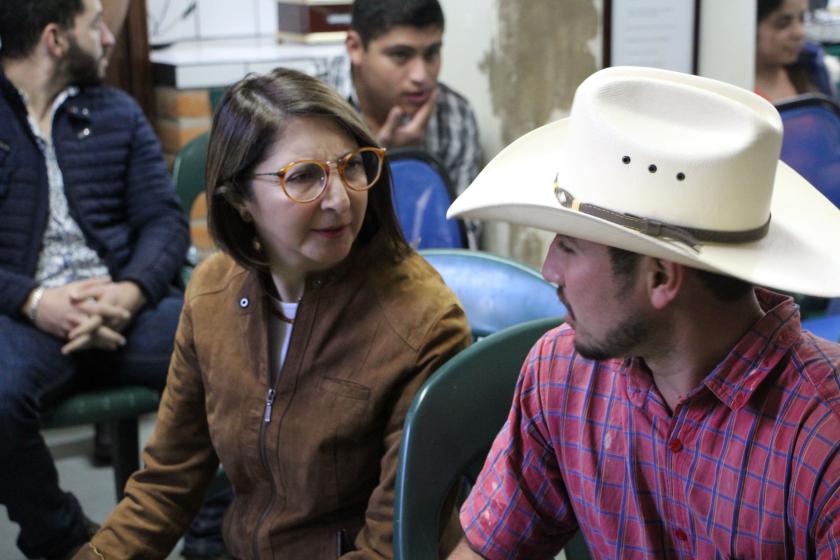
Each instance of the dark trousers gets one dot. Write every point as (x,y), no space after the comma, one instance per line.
(203,538)
(34,373)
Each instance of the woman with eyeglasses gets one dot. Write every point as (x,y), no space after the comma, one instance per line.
(785,64)
(301,344)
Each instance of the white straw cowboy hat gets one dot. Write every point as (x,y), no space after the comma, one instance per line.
(672,166)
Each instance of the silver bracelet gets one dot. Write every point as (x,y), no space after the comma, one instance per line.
(37,294)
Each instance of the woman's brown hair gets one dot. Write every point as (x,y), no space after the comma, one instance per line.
(251,116)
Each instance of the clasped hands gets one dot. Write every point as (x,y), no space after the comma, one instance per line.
(89,313)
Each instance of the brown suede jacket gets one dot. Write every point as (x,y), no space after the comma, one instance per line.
(323,456)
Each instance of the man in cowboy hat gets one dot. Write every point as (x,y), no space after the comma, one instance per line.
(681,412)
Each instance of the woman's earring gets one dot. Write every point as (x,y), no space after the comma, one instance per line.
(246,216)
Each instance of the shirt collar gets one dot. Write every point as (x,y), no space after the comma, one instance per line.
(758,352)
(64,95)
(738,375)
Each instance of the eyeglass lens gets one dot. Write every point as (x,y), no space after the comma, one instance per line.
(305,180)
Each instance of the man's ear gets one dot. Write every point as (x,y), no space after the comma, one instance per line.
(55,40)
(664,279)
(355,47)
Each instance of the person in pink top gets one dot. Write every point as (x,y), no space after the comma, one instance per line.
(681,411)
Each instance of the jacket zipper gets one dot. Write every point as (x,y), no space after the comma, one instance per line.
(269,404)
(273,380)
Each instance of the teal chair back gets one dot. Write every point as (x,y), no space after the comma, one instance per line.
(188,175)
(449,428)
(188,170)
(496,292)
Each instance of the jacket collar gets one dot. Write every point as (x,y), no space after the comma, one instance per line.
(252,292)
(11,94)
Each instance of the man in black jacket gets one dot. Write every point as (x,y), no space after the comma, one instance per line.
(92,239)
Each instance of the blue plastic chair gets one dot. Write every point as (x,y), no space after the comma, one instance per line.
(811,143)
(827,327)
(422,194)
(496,292)
(811,146)
(448,430)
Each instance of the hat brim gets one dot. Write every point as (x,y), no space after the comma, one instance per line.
(800,253)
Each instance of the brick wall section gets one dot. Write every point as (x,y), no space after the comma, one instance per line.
(181,115)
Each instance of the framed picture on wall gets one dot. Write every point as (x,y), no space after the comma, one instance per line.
(654,33)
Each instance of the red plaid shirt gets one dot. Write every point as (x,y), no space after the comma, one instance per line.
(747,466)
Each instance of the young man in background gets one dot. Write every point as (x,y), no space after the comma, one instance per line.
(391,76)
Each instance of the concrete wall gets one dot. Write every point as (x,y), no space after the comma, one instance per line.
(727,41)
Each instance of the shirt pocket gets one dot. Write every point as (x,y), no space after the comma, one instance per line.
(345,388)
(350,404)
(356,440)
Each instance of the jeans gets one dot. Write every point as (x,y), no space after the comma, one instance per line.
(33,374)
(203,538)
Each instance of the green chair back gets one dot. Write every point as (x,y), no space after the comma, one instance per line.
(449,428)
(101,406)
(188,175)
(188,170)
(496,292)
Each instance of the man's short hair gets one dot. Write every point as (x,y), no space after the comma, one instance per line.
(22,21)
(372,18)
(723,287)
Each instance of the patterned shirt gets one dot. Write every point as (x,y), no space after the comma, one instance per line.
(451,134)
(65,256)
(747,466)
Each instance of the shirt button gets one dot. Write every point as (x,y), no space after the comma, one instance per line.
(681,535)
(243,303)
(675,445)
